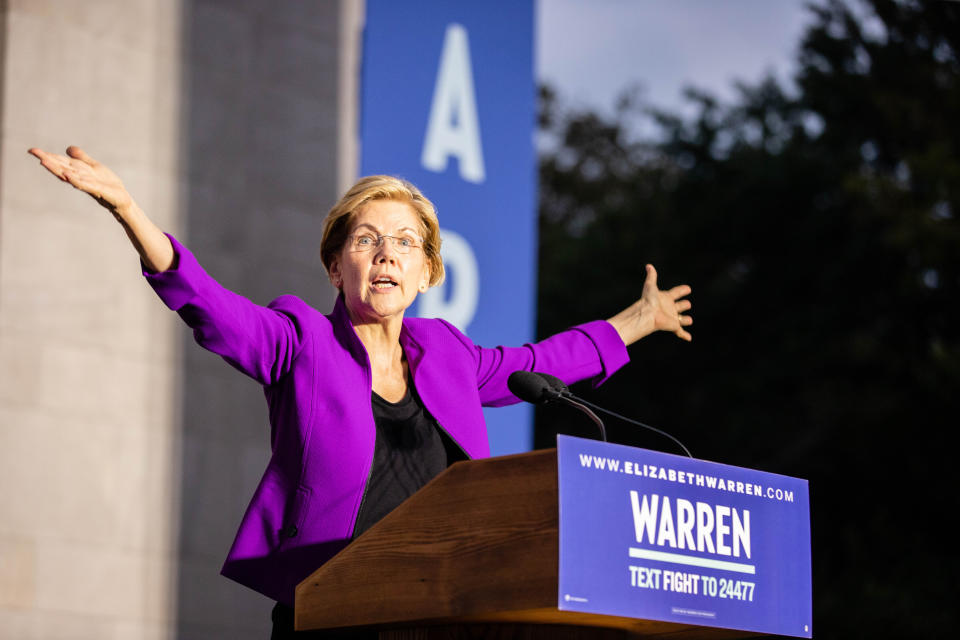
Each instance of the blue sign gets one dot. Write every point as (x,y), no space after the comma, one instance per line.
(448,102)
(662,537)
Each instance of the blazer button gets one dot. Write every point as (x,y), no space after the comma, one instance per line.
(290,531)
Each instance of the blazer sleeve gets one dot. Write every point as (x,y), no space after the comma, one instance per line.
(262,342)
(588,351)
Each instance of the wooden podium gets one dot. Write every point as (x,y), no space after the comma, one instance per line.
(473,554)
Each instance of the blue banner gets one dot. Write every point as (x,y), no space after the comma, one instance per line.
(662,537)
(448,102)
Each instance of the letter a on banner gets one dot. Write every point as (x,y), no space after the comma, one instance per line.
(453,128)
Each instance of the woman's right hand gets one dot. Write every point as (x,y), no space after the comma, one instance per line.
(104,186)
(91,177)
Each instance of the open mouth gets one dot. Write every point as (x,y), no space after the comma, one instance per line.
(384,282)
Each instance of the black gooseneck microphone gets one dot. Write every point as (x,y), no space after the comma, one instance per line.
(541,388)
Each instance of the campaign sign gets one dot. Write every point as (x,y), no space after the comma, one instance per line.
(448,101)
(662,537)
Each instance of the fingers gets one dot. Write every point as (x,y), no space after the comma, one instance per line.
(675,293)
(685,321)
(680,306)
(669,305)
(52,162)
(75,169)
(651,276)
(76,152)
(55,162)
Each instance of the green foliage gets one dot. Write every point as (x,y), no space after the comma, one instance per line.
(819,231)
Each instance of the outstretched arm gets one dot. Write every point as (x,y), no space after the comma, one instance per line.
(656,310)
(104,186)
(263,342)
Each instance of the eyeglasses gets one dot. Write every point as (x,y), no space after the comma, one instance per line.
(367,241)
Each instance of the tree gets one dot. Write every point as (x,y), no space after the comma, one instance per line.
(819,231)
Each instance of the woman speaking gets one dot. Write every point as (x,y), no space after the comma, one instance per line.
(365,405)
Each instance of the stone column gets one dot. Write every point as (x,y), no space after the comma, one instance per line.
(128,454)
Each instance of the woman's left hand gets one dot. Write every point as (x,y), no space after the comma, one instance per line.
(656,310)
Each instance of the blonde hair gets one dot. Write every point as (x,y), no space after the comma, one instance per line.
(337,223)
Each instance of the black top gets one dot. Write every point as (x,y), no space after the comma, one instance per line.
(410,450)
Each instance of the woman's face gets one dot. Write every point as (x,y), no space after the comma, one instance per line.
(379,283)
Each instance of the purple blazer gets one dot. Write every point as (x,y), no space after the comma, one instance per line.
(316,378)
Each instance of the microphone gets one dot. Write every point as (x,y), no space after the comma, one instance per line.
(530,387)
(541,388)
(556,384)
(552,388)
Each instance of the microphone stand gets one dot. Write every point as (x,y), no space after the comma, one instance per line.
(559,391)
(569,401)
